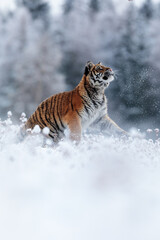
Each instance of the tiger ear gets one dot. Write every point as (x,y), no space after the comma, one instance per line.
(100,63)
(88,67)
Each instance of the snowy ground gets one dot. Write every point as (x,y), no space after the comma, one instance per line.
(105,188)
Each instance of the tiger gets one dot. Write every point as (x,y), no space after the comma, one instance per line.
(76,110)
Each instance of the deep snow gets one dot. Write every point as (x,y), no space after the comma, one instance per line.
(104,188)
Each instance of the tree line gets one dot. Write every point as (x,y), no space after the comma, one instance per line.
(41,54)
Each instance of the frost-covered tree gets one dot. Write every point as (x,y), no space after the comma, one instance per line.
(29,64)
(39,9)
(147,9)
(78,41)
(155,38)
(157,9)
(108,33)
(133,92)
(94,5)
(12,44)
(68,6)
(154,57)
(84,35)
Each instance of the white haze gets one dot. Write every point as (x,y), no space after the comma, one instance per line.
(104,188)
(57,4)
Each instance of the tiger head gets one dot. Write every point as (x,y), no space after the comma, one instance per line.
(98,75)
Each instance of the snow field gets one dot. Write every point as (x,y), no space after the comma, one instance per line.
(104,188)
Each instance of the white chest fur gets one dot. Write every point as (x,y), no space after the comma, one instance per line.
(94,114)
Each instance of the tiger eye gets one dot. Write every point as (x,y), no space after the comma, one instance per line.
(99,68)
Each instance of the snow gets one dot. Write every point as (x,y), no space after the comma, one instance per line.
(9,114)
(23,118)
(46,131)
(103,188)
(36,129)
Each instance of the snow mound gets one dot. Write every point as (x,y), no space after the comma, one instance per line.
(103,188)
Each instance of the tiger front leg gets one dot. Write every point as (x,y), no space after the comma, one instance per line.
(107,125)
(74,125)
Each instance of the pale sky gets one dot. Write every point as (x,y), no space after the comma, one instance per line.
(9,4)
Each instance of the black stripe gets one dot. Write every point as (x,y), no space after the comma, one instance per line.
(89,95)
(52,131)
(32,119)
(86,109)
(51,104)
(94,103)
(103,100)
(42,105)
(58,113)
(71,101)
(51,136)
(48,120)
(85,101)
(95,80)
(78,113)
(57,126)
(61,108)
(40,114)
(85,84)
(92,77)
(97,121)
(95,90)
(36,117)
(53,101)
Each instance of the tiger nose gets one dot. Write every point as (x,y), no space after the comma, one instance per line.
(110,69)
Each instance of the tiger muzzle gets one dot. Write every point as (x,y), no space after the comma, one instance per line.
(108,73)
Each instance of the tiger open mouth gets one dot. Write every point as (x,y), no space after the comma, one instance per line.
(105,77)
(108,75)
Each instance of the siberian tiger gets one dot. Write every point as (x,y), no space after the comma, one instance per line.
(78,109)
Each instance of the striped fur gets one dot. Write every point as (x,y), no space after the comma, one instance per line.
(78,109)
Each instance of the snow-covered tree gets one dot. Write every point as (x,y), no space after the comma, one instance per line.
(133,92)
(147,9)
(94,5)
(85,36)
(39,9)
(78,41)
(29,64)
(68,6)
(108,33)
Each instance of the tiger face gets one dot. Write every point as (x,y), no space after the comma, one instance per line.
(98,75)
